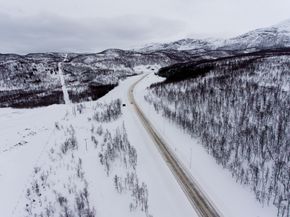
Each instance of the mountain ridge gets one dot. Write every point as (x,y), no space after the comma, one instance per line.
(274,36)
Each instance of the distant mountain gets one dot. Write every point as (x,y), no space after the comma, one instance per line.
(184,44)
(277,36)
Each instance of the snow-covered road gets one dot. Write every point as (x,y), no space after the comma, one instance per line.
(199,201)
(63,86)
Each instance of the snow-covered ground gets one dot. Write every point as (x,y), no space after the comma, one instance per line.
(24,136)
(27,136)
(230,198)
(29,139)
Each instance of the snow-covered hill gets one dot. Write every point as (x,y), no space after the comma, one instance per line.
(33,80)
(184,44)
(272,37)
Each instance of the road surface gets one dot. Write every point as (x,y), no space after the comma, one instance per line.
(63,86)
(198,200)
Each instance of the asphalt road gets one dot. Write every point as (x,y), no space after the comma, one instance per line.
(202,205)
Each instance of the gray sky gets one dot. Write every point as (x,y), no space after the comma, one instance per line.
(93,25)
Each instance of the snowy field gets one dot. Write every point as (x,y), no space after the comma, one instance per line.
(50,163)
(230,198)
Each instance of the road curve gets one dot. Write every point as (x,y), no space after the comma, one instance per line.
(198,200)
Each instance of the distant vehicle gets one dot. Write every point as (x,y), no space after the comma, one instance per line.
(124,105)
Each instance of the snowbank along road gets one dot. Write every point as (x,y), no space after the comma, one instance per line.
(196,197)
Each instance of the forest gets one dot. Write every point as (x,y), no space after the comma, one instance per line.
(239,108)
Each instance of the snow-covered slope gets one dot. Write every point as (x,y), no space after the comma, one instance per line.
(238,108)
(215,181)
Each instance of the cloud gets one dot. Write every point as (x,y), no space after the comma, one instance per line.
(53,33)
(94,25)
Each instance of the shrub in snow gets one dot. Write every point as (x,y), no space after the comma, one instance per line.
(60,189)
(70,143)
(117,147)
(109,112)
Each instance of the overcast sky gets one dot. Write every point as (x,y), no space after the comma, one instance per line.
(93,25)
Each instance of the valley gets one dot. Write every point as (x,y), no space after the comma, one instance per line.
(195,127)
